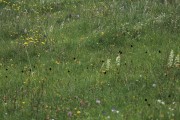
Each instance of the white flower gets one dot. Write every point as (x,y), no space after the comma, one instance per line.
(118,58)
(98,101)
(161,102)
(108,64)
(113,110)
(154,85)
(171,109)
(171,57)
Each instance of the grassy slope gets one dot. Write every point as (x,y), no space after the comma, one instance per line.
(46,81)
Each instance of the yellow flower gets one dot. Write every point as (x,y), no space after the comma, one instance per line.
(78,112)
(25,43)
(102,33)
(57,62)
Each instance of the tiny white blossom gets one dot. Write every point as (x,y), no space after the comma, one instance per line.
(161,102)
(117,111)
(154,85)
(113,110)
(98,101)
(171,109)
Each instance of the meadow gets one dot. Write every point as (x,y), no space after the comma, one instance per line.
(89,60)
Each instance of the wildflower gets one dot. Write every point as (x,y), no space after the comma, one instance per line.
(57,62)
(177,61)
(154,85)
(118,58)
(102,33)
(25,43)
(171,57)
(171,109)
(98,101)
(114,110)
(108,64)
(78,112)
(5,104)
(161,102)
(69,114)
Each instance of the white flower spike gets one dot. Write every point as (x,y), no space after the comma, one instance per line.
(171,59)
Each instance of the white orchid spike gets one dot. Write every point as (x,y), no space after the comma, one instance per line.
(108,63)
(118,59)
(171,59)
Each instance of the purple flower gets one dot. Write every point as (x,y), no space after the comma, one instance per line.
(69,114)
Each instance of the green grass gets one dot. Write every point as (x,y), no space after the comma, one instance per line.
(53,60)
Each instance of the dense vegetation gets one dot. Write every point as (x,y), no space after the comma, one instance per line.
(89,60)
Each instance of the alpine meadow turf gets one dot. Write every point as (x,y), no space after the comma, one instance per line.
(89,60)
